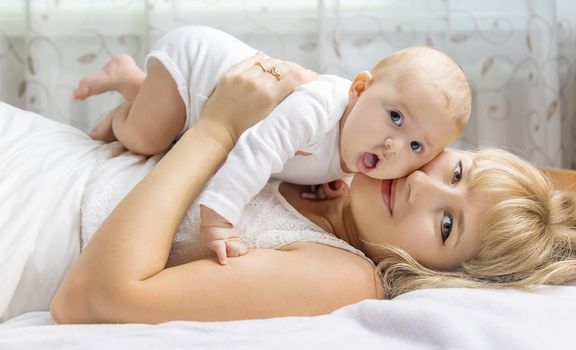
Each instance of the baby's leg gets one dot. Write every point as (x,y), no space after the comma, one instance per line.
(103,129)
(119,74)
(196,58)
(151,123)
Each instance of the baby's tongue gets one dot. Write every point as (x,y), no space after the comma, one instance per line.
(370,160)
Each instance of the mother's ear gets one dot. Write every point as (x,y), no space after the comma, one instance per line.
(360,84)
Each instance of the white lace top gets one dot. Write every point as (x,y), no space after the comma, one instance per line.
(268,221)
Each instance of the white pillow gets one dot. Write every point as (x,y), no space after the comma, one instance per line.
(44,166)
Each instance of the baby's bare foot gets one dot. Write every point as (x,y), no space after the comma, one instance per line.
(119,74)
(102,131)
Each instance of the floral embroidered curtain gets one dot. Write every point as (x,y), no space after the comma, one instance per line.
(520,55)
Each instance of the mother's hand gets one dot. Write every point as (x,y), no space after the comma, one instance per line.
(249,90)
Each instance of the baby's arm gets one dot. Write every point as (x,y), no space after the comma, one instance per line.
(262,151)
(220,236)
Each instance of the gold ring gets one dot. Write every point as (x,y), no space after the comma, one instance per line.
(275,72)
(259,64)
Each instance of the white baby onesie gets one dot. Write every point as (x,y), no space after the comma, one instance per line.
(307,121)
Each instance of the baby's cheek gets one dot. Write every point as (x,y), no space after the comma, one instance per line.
(425,159)
(401,169)
(413,165)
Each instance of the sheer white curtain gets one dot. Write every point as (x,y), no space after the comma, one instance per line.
(520,55)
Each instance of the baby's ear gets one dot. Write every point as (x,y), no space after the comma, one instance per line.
(360,83)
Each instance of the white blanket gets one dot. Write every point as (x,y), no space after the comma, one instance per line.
(425,319)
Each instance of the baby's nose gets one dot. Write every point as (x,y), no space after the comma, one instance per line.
(383,152)
(394,145)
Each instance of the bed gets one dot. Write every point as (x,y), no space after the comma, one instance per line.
(434,318)
(425,319)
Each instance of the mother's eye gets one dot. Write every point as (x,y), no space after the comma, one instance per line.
(446,227)
(396,118)
(457,173)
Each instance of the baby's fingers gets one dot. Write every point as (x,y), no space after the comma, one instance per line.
(236,248)
(316,193)
(219,247)
(221,254)
(331,190)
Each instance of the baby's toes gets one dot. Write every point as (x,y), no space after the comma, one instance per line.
(98,134)
(81,92)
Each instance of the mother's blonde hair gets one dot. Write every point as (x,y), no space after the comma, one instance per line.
(528,236)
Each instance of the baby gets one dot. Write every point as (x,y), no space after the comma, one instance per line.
(385,123)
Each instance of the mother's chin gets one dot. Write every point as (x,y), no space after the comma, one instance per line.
(370,209)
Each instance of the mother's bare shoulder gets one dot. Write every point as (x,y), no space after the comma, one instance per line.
(338,268)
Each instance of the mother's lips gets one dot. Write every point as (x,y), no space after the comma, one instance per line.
(385,190)
(393,195)
(388,191)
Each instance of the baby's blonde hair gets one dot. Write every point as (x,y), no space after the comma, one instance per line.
(528,236)
(439,70)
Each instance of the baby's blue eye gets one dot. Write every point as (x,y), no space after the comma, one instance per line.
(416,146)
(396,118)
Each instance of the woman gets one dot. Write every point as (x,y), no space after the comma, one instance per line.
(449,224)
(486,219)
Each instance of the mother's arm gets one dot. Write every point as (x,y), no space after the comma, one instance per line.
(120,277)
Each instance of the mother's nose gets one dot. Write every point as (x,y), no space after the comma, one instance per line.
(420,184)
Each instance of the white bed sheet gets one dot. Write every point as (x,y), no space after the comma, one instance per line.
(425,319)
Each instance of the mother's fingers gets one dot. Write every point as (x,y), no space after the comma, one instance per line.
(276,78)
(245,64)
(248,91)
(263,68)
(285,86)
(285,76)
(281,69)
(279,78)
(273,67)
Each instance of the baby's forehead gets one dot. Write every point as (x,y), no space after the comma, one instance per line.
(417,85)
(438,129)
(414,89)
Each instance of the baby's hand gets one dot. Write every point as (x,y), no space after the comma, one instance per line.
(324,191)
(220,236)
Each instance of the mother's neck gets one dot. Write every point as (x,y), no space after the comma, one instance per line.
(333,215)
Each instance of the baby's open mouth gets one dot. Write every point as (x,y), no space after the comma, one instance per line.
(367,162)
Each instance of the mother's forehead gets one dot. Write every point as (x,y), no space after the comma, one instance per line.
(454,151)
(448,155)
